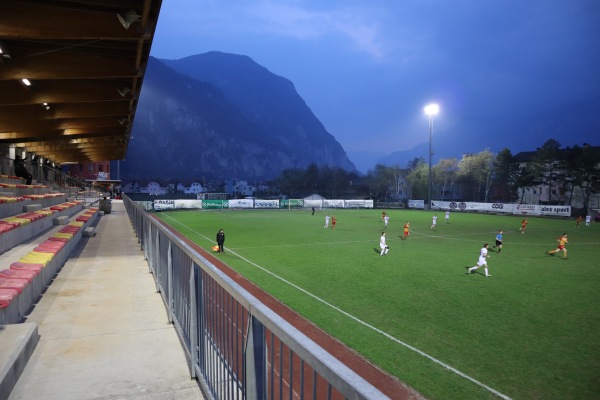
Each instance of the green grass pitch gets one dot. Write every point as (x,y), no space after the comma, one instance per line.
(530,331)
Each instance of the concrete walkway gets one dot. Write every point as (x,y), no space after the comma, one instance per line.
(104,332)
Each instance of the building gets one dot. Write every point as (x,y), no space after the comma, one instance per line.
(194,188)
(239,188)
(554,186)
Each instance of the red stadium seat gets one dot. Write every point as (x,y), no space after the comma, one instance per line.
(52,250)
(13,283)
(58,239)
(52,244)
(19,266)
(22,274)
(6,296)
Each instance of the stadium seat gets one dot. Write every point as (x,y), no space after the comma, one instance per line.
(63,235)
(37,258)
(47,249)
(18,274)
(59,239)
(51,244)
(7,296)
(13,283)
(19,266)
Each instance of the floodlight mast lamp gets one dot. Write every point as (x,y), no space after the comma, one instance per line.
(430,110)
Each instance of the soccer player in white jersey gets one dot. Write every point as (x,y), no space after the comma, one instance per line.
(482,262)
(433,221)
(386,219)
(326,221)
(447,216)
(588,219)
(383,245)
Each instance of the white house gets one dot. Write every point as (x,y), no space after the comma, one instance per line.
(239,187)
(194,188)
(154,188)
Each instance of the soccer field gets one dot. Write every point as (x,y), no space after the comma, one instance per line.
(530,331)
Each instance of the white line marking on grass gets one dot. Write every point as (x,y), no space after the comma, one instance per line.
(408,346)
(304,244)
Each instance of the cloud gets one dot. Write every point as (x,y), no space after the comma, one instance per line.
(357,26)
(296,21)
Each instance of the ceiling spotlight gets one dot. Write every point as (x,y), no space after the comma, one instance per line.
(26,82)
(128,18)
(47,107)
(123,91)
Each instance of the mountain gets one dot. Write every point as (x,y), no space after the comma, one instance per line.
(365,160)
(268,100)
(219,116)
(570,124)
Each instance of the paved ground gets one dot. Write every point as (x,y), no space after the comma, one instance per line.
(104,329)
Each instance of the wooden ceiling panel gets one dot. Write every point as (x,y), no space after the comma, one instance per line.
(72,91)
(59,21)
(60,65)
(84,63)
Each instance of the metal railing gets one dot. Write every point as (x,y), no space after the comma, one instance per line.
(238,347)
(74,187)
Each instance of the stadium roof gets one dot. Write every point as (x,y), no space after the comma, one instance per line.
(71,72)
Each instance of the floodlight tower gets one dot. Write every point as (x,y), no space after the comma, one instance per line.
(431,110)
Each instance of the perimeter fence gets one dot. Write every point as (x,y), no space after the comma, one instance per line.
(237,346)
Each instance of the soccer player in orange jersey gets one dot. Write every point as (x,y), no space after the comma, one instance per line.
(562,243)
(406,230)
(523,225)
(333,222)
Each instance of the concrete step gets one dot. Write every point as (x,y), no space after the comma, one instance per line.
(17,343)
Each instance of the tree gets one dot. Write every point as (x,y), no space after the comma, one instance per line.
(386,181)
(475,170)
(545,163)
(418,180)
(396,175)
(333,180)
(290,180)
(414,163)
(505,175)
(580,170)
(310,179)
(525,178)
(446,173)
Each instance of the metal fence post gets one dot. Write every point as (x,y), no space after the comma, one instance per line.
(256,362)
(193,321)
(170,278)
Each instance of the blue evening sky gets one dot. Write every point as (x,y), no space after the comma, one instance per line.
(367,68)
